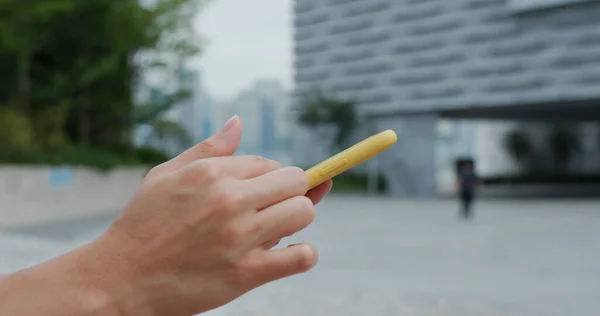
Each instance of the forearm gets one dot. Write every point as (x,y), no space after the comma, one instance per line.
(56,287)
(86,282)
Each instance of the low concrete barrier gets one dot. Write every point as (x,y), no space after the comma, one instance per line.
(41,195)
(534,191)
(542,190)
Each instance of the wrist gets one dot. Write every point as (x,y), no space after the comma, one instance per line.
(104,268)
(56,287)
(109,267)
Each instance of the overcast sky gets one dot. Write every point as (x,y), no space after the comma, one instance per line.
(246,40)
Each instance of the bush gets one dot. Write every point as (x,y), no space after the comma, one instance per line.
(15,129)
(543,178)
(98,158)
(150,156)
(67,155)
(357,182)
(48,126)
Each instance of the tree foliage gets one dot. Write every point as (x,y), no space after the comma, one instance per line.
(553,154)
(317,109)
(564,143)
(519,145)
(15,130)
(69,68)
(168,134)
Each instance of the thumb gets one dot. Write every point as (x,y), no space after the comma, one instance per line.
(224,143)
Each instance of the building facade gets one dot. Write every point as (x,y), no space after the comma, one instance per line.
(409,63)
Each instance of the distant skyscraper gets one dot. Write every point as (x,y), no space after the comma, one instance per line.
(208,117)
(194,113)
(190,116)
(268,139)
(265,112)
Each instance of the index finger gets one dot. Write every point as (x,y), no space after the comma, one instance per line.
(320,191)
(246,167)
(274,187)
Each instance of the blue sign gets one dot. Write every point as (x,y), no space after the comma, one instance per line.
(60,176)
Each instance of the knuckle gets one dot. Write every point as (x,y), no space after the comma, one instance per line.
(305,203)
(275,164)
(207,169)
(225,201)
(303,215)
(306,208)
(158,171)
(233,235)
(201,171)
(259,159)
(299,176)
(266,165)
(180,191)
(255,227)
(154,171)
(306,258)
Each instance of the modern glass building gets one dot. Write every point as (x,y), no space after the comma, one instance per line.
(411,62)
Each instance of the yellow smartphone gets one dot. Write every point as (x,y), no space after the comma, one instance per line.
(351,157)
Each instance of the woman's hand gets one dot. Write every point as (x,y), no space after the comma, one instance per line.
(199,233)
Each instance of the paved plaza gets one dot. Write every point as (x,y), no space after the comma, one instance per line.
(383,257)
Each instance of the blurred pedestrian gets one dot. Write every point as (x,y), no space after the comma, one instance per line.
(467,182)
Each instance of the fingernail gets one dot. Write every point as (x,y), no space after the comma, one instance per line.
(229,124)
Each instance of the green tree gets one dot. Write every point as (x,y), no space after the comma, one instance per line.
(317,109)
(564,143)
(48,126)
(15,129)
(519,145)
(168,134)
(23,33)
(70,66)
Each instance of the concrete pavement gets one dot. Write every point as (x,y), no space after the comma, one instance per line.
(393,257)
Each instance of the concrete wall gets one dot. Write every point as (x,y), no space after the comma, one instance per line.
(37,195)
(410,165)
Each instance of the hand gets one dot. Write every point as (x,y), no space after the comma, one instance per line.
(199,231)
(197,234)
